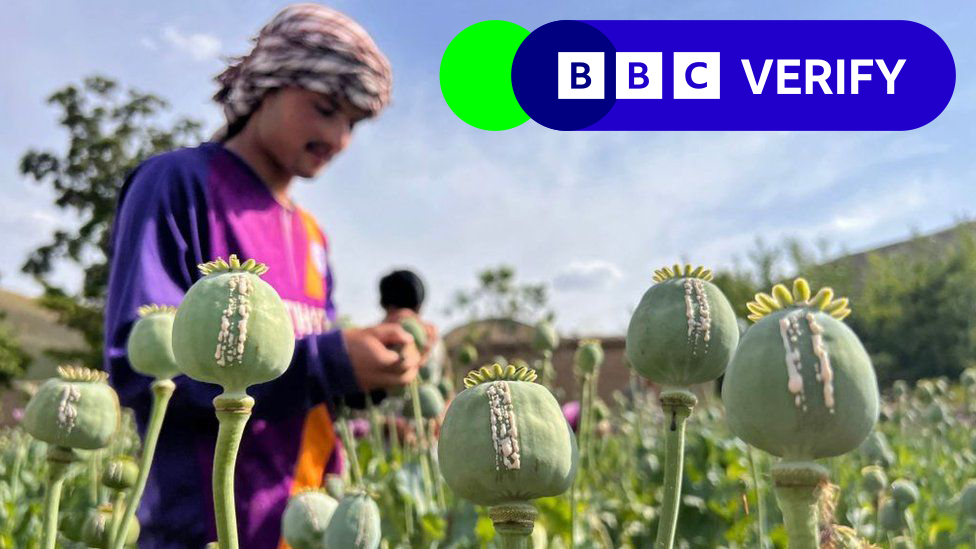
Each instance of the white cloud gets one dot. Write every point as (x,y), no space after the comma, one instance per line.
(43,219)
(586,275)
(35,222)
(867,216)
(200,46)
(24,230)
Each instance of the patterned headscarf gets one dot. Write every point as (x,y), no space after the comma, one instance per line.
(312,47)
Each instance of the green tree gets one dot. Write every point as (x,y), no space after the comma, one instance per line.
(912,306)
(13,359)
(916,313)
(109,133)
(824,266)
(499,296)
(765,259)
(739,287)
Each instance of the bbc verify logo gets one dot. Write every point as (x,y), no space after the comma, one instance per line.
(749,75)
(639,75)
(698,75)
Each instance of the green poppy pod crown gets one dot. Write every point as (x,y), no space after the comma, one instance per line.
(446,388)
(306,517)
(904,492)
(77,410)
(545,338)
(355,523)
(150,344)
(877,450)
(873,479)
(891,519)
(589,355)
(683,331)
(467,355)
(417,331)
(121,474)
(71,523)
(431,401)
(96,531)
(504,439)
(232,328)
(967,501)
(801,385)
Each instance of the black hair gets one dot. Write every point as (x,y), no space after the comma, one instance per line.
(235,128)
(402,289)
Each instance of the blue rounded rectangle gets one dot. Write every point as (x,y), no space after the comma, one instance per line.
(902,71)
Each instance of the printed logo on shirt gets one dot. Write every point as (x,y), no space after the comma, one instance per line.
(317,254)
(306,319)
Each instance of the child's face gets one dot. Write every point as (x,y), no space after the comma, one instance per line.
(302,130)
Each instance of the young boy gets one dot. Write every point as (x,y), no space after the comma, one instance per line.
(291,105)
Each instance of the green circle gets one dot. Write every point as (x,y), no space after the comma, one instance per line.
(476,75)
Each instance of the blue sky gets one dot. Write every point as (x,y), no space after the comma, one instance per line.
(592,214)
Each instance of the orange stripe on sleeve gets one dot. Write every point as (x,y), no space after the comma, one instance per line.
(318,439)
(314,275)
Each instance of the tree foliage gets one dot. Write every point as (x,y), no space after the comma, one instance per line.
(109,132)
(13,359)
(917,314)
(913,306)
(499,296)
(738,287)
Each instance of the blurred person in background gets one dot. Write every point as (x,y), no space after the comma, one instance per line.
(402,294)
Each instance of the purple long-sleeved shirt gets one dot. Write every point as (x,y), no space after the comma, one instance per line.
(180,209)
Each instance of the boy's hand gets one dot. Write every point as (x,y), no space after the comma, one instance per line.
(382,356)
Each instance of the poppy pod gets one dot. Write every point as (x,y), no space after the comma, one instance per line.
(417,331)
(121,474)
(967,501)
(873,480)
(877,450)
(306,517)
(683,331)
(801,386)
(589,356)
(504,439)
(97,530)
(891,519)
(232,328)
(76,410)
(545,338)
(467,354)
(355,523)
(904,492)
(150,343)
(431,401)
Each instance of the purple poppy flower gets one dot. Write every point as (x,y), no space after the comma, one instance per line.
(360,427)
(571,411)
